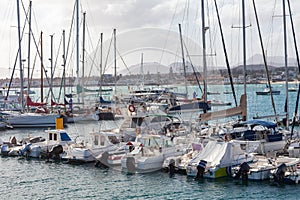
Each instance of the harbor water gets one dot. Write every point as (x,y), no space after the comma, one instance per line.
(23,178)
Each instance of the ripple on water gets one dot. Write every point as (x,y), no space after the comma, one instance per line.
(35,179)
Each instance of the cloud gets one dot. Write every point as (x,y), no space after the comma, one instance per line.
(128,16)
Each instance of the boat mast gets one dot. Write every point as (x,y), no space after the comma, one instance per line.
(51,67)
(42,81)
(101,58)
(286,67)
(29,42)
(115,59)
(226,56)
(183,59)
(204,51)
(77,43)
(265,61)
(142,70)
(20,59)
(64,65)
(298,62)
(83,58)
(244,55)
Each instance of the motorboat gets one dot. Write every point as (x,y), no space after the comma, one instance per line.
(263,136)
(267,91)
(262,167)
(179,163)
(150,155)
(113,158)
(216,160)
(88,150)
(285,173)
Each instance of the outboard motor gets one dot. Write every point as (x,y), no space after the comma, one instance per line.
(172,167)
(25,150)
(201,169)
(4,149)
(243,171)
(278,175)
(55,151)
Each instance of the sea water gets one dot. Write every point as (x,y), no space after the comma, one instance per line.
(23,178)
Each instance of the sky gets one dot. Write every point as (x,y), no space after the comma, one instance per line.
(143,27)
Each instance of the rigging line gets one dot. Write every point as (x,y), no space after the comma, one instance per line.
(298,63)
(123,62)
(226,57)
(185,14)
(265,60)
(16,59)
(209,26)
(195,74)
(33,66)
(94,58)
(106,59)
(234,40)
(55,65)
(270,32)
(36,46)
(26,19)
(169,30)
(70,33)
(56,58)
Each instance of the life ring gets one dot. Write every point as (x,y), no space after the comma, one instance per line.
(131,108)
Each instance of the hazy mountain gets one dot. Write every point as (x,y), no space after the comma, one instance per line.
(275,61)
(149,67)
(254,63)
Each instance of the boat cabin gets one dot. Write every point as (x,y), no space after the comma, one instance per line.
(253,130)
(58,135)
(103,139)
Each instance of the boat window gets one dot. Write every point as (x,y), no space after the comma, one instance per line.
(64,136)
(55,136)
(102,140)
(133,124)
(160,119)
(137,121)
(96,140)
(168,143)
(113,139)
(50,136)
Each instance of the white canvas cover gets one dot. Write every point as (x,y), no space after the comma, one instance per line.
(219,153)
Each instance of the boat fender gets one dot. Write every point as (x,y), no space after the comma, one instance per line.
(172,167)
(118,111)
(131,108)
(24,151)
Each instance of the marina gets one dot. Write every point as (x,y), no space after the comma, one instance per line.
(135,100)
(54,177)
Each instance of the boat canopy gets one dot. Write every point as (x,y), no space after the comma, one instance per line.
(260,123)
(220,153)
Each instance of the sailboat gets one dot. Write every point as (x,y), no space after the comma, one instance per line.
(189,105)
(21,118)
